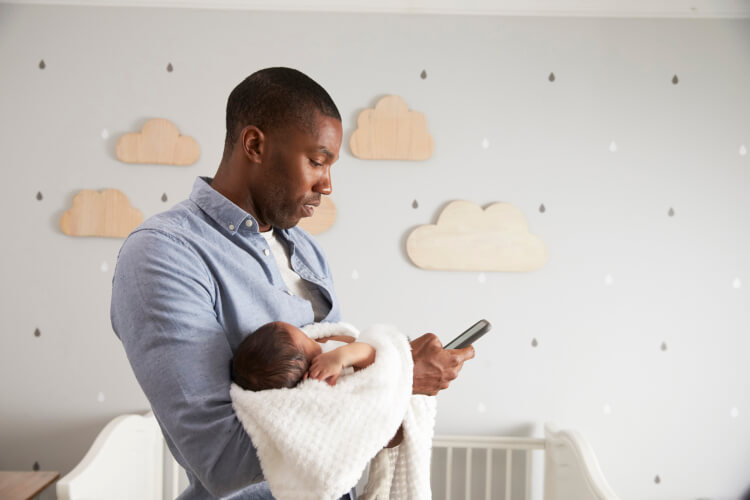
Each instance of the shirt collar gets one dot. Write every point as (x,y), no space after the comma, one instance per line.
(223,211)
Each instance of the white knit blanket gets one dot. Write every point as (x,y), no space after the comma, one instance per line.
(314,441)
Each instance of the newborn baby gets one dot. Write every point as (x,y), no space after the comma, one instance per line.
(279,355)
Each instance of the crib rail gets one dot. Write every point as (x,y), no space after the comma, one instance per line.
(484,448)
(129,460)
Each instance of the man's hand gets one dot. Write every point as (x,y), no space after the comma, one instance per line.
(435,367)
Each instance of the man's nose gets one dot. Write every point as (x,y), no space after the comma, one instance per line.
(323,185)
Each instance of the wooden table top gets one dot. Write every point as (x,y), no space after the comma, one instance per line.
(25,485)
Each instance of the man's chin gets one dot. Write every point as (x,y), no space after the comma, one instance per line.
(287,224)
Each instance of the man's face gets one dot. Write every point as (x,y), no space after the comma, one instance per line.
(297,171)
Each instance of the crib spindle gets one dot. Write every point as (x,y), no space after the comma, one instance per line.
(528,475)
(488,476)
(468,474)
(508,472)
(448,470)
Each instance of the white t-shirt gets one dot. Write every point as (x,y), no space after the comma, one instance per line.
(295,284)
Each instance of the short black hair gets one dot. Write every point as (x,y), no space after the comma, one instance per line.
(268,359)
(273,98)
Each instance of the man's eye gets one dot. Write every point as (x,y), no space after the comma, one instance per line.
(316,163)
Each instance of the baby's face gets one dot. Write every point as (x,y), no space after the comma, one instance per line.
(305,343)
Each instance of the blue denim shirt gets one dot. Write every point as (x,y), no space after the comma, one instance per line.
(189,285)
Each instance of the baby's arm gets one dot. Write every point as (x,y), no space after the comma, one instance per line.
(328,366)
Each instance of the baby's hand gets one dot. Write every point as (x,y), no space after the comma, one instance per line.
(326,367)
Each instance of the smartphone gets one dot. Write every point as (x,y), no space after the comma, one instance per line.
(470,335)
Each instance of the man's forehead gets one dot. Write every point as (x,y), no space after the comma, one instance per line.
(329,154)
(327,135)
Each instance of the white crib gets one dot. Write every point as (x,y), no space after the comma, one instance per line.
(129,460)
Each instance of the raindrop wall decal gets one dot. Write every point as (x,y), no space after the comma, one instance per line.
(485,143)
(551,77)
(170,68)
(534,343)
(606,409)
(734,413)
(39,196)
(100,397)
(37,333)
(743,150)
(737,283)
(671,212)
(612,146)
(675,80)
(355,275)
(423,74)
(35,466)
(42,64)
(104,267)
(105,133)
(608,280)
(657,479)
(414,204)
(482,278)
(542,208)
(164,197)
(663,346)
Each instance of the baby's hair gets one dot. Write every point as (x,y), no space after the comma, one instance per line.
(268,359)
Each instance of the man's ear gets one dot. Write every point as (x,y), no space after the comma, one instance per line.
(252,141)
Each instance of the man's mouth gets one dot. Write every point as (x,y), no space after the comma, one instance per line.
(309,208)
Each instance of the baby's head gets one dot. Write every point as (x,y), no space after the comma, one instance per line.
(275,355)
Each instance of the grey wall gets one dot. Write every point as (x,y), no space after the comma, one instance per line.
(681,413)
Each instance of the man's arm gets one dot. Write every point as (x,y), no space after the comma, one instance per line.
(163,311)
(435,367)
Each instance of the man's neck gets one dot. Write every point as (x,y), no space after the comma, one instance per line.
(235,190)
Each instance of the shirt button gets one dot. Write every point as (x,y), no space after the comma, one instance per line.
(288,292)
(231,227)
(266,252)
(248,223)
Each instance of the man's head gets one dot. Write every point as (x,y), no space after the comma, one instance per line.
(274,98)
(275,356)
(283,134)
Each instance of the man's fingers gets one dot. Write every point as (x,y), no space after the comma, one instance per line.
(457,359)
(463,354)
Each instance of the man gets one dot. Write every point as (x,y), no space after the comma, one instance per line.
(191,282)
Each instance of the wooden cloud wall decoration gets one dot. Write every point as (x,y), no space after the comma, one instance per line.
(158,142)
(468,238)
(107,213)
(391,132)
(322,219)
